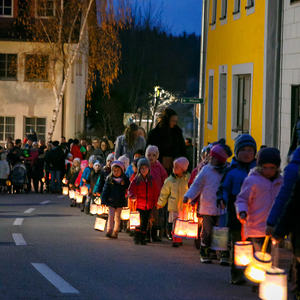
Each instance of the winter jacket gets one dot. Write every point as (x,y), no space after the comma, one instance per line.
(206,185)
(75,151)
(55,159)
(4,169)
(92,179)
(113,193)
(85,175)
(145,191)
(230,187)
(73,174)
(159,175)
(129,171)
(169,141)
(289,181)
(122,147)
(173,192)
(256,199)
(101,180)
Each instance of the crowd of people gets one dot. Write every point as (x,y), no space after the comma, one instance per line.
(151,175)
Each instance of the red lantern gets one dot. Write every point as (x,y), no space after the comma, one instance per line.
(134,219)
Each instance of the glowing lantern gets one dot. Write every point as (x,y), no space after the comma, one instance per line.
(192,230)
(79,198)
(102,209)
(84,190)
(134,219)
(97,200)
(243,253)
(43,180)
(274,287)
(256,270)
(8,182)
(72,194)
(180,229)
(125,214)
(100,224)
(64,181)
(93,209)
(65,191)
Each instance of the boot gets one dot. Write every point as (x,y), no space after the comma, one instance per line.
(204,255)
(155,234)
(114,235)
(148,236)
(143,238)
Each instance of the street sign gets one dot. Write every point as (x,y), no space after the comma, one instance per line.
(191,100)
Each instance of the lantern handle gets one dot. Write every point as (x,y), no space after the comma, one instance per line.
(266,241)
(243,236)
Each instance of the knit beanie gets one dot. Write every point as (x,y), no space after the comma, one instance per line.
(182,163)
(220,152)
(269,156)
(92,159)
(84,164)
(96,163)
(244,140)
(143,162)
(119,164)
(152,149)
(125,160)
(110,157)
(77,159)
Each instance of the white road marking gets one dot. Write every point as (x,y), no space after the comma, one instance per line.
(55,279)
(19,240)
(29,210)
(45,202)
(18,222)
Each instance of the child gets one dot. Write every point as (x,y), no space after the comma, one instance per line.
(145,190)
(87,171)
(134,169)
(113,196)
(206,185)
(84,164)
(125,160)
(242,163)
(172,192)
(159,174)
(258,193)
(4,171)
(72,175)
(138,154)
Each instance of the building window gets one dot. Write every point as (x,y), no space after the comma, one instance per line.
(8,66)
(210,100)
(214,12)
(250,4)
(6,8)
(45,8)
(223,10)
(242,118)
(237,6)
(36,67)
(7,128)
(38,125)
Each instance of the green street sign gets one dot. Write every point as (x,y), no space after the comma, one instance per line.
(192,100)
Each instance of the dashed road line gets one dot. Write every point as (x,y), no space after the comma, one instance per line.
(63,286)
(19,240)
(18,222)
(45,202)
(29,210)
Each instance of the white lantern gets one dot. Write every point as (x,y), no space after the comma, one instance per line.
(181,227)
(72,194)
(100,224)
(274,287)
(125,214)
(79,198)
(192,230)
(134,219)
(243,253)
(93,209)
(84,190)
(65,191)
(64,181)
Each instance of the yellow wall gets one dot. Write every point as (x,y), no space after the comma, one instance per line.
(237,42)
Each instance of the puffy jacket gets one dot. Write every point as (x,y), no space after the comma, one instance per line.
(256,199)
(231,186)
(159,175)
(85,175)
(206,185)
(113,193)
(173,192)
(289,181)
(145,191)
(75,150)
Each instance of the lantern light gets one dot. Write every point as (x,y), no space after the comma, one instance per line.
(243,253)
(84,190)
(93,209)
(100,224)
(65,191)
(79,198)
(8,182)
(180,229)
(64,181)
(72,194)
(125,214)
(274,287)
(134,219)
(192,230)
(43,180)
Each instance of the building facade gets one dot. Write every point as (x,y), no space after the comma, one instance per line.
(26,96)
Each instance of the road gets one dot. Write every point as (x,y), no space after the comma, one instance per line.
(49,250)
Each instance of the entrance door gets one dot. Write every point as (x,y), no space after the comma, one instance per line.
(222,106)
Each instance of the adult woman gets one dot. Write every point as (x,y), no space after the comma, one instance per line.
(128,143)
(167,136)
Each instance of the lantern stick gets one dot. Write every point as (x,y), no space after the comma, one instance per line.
(243,233)
(265,245)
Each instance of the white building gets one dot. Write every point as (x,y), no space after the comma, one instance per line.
(26,99)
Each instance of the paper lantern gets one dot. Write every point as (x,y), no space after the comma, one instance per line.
(274,287)
(43,179)
(100,224)
(79,198)
(180,229)
(256,270)
(93,209)
(8,182)
(64,181)
(102,209)
(84,190)
(71,194)
(243,253)
(219,239)
(65,191)
(192,230)
(97,200)
(134,219)
(125,214)
(192,216)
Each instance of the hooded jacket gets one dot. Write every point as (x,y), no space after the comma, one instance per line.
(256,199)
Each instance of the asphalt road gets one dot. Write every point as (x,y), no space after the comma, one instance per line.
(49,250)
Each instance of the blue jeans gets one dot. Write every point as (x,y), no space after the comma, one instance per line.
(55,181)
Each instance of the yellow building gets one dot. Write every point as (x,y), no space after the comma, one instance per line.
(241,70)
